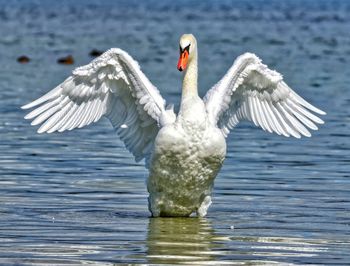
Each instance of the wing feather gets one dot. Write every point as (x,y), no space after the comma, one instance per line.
(274,125)
(251,91)
(112,85)
(301,115)
(281,122)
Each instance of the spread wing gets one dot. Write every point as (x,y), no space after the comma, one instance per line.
(112,85)
(251,91)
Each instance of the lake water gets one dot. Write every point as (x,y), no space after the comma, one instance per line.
(79,197)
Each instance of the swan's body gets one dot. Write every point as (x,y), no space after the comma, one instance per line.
(185,152)
(186,158)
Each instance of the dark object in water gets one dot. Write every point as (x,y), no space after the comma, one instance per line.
(95,52)
(67,60)
(23,59)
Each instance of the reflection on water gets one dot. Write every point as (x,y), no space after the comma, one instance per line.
(194,241)
(175,240)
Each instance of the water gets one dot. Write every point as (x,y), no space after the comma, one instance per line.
(79,198)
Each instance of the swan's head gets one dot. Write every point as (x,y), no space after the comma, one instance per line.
(188,47)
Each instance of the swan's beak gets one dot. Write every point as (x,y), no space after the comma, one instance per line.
(182,64)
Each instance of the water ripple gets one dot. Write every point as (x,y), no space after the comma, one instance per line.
(79,198)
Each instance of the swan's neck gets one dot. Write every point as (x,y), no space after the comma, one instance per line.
(189,84)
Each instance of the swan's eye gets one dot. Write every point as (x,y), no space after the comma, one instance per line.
(187,48)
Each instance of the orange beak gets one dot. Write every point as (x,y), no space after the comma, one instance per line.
(182,64)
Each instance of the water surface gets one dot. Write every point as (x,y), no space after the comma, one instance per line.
(79,197)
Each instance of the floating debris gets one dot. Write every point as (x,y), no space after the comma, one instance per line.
(67,60)
(23,59)
(95,53)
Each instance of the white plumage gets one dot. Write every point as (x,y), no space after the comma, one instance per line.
(112,85)
(183,152)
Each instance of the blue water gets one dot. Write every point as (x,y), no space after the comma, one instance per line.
(79,197)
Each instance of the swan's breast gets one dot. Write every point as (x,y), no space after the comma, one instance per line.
(184,145)
(183,167)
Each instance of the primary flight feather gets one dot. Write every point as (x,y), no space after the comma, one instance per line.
(183,152)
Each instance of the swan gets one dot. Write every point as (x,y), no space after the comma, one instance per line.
(183,152)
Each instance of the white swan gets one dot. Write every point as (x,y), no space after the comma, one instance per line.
(185,152)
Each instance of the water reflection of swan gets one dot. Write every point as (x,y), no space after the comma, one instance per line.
(185,152)
(180,240)
(194,242)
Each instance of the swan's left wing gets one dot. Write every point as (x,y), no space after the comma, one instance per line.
(251,91)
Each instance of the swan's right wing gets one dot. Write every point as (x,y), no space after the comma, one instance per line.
(112,85)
